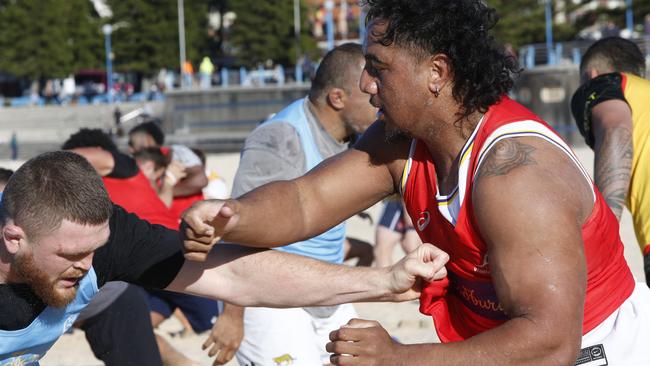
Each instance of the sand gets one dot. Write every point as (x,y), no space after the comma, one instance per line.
(401,320)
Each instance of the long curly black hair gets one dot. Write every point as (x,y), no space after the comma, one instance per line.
(482,70)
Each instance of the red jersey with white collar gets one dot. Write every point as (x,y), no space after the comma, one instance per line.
(465,303)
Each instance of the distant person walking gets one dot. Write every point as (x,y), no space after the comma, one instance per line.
(13,144)
(188,73)
(206,69)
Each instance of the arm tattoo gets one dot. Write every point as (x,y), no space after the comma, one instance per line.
(613,167)
(506,155)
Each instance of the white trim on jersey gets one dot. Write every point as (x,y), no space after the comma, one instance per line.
(449,206)
(407,167)
(529,128)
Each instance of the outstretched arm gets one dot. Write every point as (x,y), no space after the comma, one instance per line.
(285,212)
(253,277)
(529,202)
(613,148)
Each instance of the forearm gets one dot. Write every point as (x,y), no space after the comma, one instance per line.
(166,193)
(276,214)
(614,152)
(518,342)
(192,184)
(270,278)
(613,167)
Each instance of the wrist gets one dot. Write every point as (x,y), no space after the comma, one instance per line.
(397,354)
(233,310)
(170,178)
(386,287)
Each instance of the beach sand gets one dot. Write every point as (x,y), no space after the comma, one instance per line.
(402,320)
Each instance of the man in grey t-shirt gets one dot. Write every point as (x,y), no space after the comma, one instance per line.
(324,122)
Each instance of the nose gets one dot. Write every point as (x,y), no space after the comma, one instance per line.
(367,84)
(85,263)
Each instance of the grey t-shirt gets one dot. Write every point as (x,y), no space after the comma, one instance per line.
(273,152)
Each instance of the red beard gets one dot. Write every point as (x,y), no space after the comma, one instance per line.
(40,283)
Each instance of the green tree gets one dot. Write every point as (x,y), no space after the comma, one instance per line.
(47,38)
(523,22)
(86,40)
(263,30)
(145,38)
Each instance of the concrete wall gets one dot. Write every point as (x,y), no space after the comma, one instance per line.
(220,119)
(215,120)
(44,128)
(547,91)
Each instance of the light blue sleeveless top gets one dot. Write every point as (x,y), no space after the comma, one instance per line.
(327,246)
(28,345)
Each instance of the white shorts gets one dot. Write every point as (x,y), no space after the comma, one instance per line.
(622,339)
(278,337)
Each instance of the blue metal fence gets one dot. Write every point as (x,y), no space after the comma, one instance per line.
(570,52)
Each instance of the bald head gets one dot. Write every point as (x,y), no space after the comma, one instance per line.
(338,69)
(614,54)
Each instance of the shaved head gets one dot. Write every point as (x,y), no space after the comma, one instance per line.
(614,54)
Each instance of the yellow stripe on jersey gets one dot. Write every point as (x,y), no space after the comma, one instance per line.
(466,154)
(449,200)
(407,167)
(637,94)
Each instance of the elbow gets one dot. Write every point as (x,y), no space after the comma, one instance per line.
(549,343)
(563,351)
(566,355)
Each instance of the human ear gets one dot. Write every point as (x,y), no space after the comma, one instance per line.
(336,98)
(439,72)
(13,237)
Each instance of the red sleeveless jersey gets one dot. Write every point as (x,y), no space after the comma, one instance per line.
(135,195)
(465,303)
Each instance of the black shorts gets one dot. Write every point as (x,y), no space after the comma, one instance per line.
(393,217)
(199,311)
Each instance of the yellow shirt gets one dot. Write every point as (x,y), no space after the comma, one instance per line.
(637,94)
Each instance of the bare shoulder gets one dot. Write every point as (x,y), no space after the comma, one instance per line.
(381,151)
(533,172)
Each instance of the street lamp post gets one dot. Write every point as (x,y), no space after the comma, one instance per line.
(296,31)
(181,39)
(107,29)
(549,33)
(629,17)
(329,20)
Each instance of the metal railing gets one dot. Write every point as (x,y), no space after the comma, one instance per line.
(563,53)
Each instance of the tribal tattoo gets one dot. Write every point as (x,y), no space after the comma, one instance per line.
(613,167)
(505,156)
